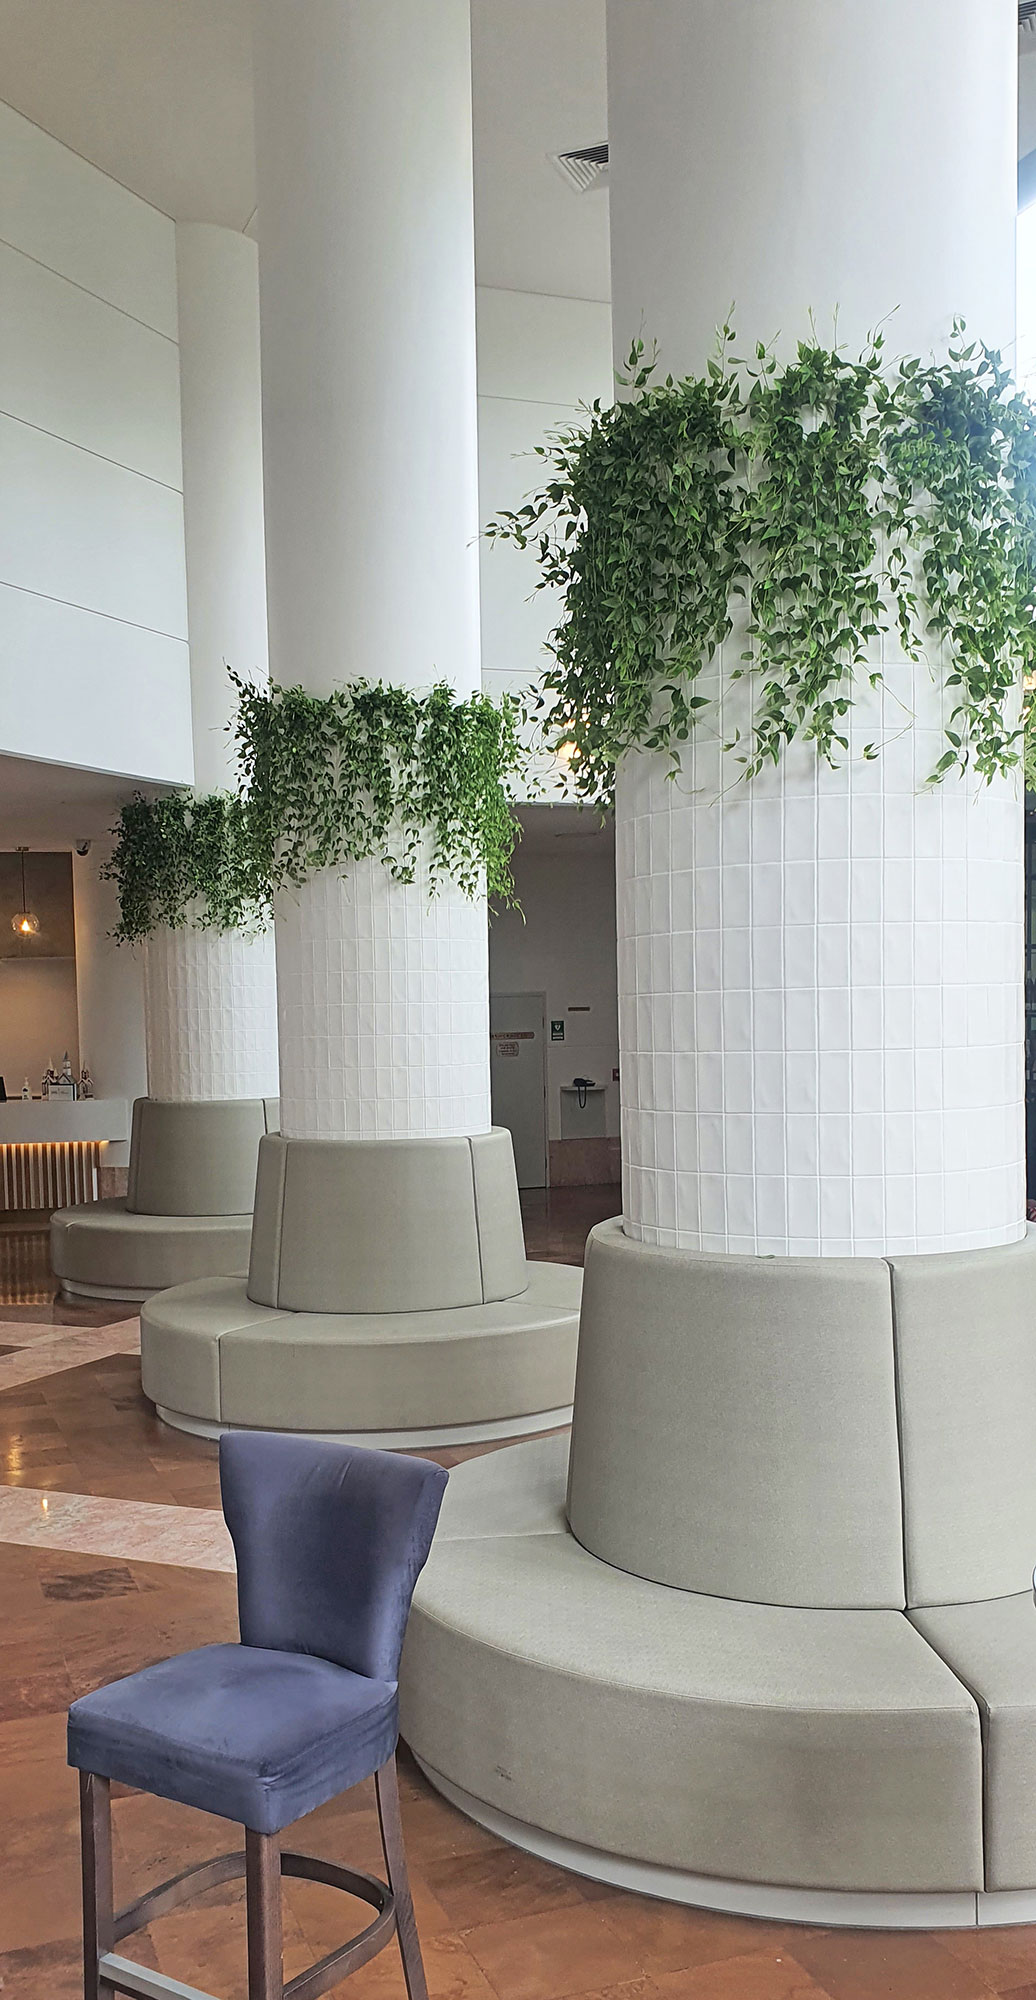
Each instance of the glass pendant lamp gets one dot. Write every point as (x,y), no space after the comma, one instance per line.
(25,922)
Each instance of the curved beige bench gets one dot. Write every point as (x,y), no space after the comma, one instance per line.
(212,1359)
(766,1643)
(388,1299)
(188,1208)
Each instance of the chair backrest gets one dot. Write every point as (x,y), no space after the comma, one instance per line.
(330,1541)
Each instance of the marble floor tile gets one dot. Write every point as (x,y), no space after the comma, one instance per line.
(27,1333)
(127,1530)
(62,1348)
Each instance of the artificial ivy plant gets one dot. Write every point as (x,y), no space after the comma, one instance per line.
(836,498)
(182,860)
(373,771)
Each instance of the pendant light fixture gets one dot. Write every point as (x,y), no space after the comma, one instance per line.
(25,922)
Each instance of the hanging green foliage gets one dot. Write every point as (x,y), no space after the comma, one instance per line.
(380,772)
(182,860)
(836,499)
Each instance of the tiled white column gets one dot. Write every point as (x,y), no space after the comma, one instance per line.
(368,356)
(211,1015)
(210,1001)
(820,972)
(820,996)
(384,1010)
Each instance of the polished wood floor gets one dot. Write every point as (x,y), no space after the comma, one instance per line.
(94,1584)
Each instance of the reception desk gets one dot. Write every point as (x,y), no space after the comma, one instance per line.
(51,1150)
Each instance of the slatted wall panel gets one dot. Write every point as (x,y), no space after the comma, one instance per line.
(49,1176)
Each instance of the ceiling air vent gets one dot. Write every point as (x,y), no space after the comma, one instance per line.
(587,166)
(1027,20)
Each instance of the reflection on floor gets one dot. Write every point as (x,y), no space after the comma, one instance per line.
(131,1566)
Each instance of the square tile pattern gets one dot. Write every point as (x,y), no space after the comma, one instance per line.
(383,996)
(820,991)
(210,1008)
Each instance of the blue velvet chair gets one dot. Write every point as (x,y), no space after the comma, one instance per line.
(330,1541)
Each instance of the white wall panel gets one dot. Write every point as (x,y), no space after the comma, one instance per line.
(71,366)
(78,688)
(69,216)
(562,943)
(76,527)
(538,359)
(93,623)
(516,617)
(543,349)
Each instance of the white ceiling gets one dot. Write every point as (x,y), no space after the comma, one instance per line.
(55,805)
(158,94)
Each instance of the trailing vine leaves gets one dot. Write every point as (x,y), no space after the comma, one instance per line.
(839,499)
(369,771)
(372,771)
(960,487)
(182,860)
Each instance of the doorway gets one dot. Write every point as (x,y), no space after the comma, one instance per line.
(518,1078)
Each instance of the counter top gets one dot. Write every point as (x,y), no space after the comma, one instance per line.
(56,1121)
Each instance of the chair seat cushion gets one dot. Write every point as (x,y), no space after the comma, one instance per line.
(257,1737)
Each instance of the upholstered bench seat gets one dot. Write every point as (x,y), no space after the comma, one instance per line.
(211,1358)
(758,1638)
(750,1742)
(991,1647)
(188,1207)
(103,1250)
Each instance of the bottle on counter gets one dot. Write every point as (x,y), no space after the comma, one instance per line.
(26,1092)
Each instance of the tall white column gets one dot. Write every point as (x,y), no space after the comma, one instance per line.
(210,997)
(363,139)
(819,973)
(109,991)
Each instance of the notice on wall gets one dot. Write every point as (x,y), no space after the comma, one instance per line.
(557,1031)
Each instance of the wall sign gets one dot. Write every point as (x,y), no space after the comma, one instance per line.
(557,1031)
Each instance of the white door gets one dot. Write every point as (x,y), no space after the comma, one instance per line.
(518,1073)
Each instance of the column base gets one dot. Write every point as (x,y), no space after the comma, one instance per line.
(389,1298)
(833,1909)
(412,1440)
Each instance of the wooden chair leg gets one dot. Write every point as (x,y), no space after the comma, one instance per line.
(386,1787)
(263,1901)
(95,1819)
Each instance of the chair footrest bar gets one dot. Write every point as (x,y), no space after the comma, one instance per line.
(128,1977)
(178,1890)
